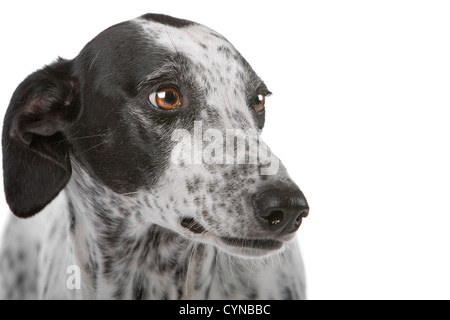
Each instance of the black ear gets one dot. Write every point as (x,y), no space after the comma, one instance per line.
(36,161)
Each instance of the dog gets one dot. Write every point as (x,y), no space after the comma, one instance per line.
(105,210)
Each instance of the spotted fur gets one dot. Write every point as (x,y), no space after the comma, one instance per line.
(94,161)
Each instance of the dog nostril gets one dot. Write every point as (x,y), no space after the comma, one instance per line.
(303,214)
(280,211)
(275,217)
(298,221)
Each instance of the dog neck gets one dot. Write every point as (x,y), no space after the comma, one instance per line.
(121,257)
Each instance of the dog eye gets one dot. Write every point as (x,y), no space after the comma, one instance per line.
(165,98)
(259,103)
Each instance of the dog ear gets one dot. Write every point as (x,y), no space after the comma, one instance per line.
(36,161)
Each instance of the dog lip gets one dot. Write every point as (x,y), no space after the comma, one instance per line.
(264,244)
(192,225)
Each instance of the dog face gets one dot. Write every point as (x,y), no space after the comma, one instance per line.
(153,110)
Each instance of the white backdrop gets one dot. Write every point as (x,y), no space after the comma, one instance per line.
(360,117)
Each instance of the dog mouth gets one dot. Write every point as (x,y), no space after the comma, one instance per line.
(264,244)
(242,246)
(192,225)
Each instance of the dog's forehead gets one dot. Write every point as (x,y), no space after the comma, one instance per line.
(214,62)
(154,50)
(193,40)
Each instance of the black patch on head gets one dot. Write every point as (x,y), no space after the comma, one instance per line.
(119,138)
(167,20)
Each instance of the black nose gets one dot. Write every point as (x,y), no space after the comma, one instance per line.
(280,210)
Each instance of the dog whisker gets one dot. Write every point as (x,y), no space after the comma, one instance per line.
(87,137)
(91,148)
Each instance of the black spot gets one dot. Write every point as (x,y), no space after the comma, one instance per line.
(168,20)
(147,202)
(197,201)
(225,50)
(287,294)
(125,212)
(118,293)
(71,216)
(211,187)
(208,218)
(20,279)
(139,287)
(180,292)
(252,293)
(191,186)
(21,255)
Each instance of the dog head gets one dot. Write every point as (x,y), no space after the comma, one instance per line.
(162,110)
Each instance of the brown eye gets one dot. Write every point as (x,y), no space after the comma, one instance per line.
(165,98)
(260,102)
